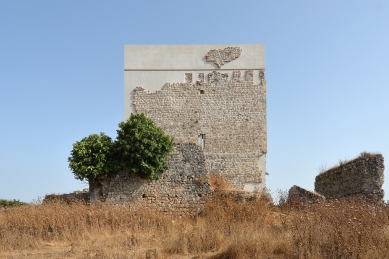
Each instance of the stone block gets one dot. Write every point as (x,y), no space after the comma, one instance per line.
(301,194)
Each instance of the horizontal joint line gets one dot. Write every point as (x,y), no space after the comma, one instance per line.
(214,69)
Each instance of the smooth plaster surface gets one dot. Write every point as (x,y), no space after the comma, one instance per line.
(152,66)
(189,57)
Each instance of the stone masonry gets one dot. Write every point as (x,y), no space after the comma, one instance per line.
(215,109)
(69,197)
(301,194)
(226,115)
(363,176)
(182,189)
(210,95)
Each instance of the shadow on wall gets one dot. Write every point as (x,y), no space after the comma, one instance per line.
(183,188)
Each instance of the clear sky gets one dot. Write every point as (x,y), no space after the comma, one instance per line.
(61,79)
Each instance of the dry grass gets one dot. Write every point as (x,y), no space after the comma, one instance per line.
(218,183)
(226,229)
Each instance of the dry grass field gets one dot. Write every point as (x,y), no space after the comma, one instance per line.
(226,229)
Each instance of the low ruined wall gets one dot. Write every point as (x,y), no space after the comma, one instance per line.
(183,188)
(69,197)
(362,176)
(301,194)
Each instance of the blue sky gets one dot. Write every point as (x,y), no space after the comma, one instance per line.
(61,79)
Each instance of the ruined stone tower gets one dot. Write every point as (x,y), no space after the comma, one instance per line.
(210,95)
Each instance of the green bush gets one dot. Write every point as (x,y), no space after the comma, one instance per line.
(13,203)
(93,156)
(140,147)
(143,147)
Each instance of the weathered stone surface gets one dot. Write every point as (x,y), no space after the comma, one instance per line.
(188,78)
(67,197)
(222,56)
(243,197)
(229,114)
(363,176)
(152,66)
(301,194)
(183,188)
(222,110)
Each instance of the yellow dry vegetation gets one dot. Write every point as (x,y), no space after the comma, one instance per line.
(227,228)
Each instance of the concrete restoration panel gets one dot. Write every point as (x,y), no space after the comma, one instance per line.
(152,66)
(210,95)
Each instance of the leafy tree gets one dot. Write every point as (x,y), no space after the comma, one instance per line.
(143,146)
(93,156)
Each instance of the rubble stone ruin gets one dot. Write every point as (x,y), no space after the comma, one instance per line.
(363,176)
(212,97)
(360,177)
(297,192)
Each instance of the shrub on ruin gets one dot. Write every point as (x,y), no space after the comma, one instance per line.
(143,147)
(92,157)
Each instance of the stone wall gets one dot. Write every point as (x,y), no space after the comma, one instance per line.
(69,197)
(301,194)
(227,110)
(183,188)
(362,176)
